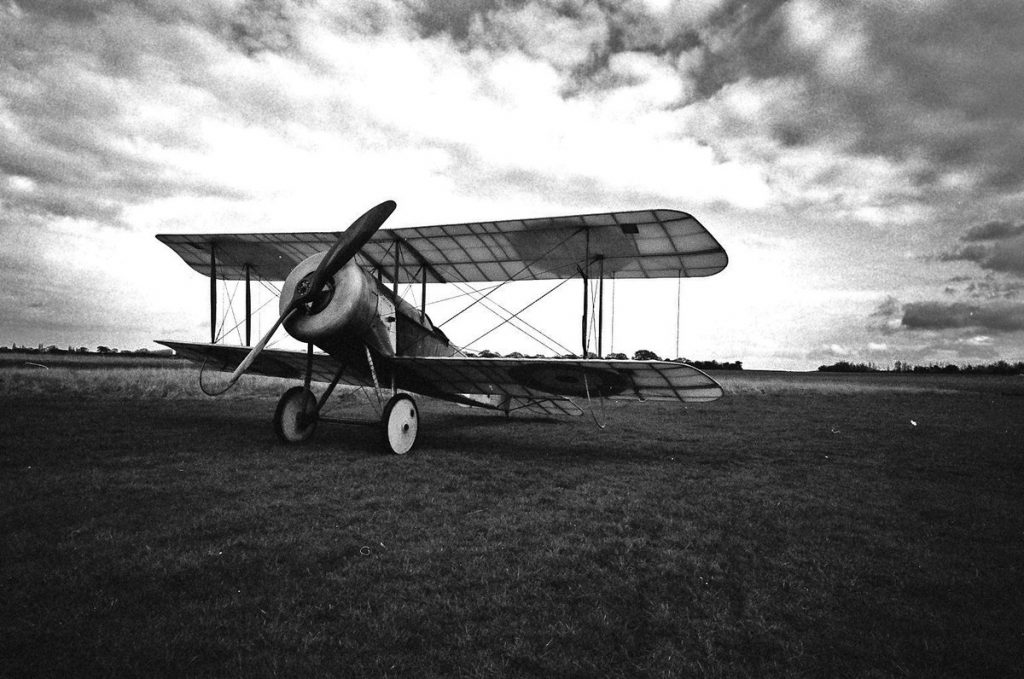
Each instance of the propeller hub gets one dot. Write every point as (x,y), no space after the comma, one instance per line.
(318,302)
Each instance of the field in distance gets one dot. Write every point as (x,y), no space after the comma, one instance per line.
(823,525)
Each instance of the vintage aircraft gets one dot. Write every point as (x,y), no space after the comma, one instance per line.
(336,299)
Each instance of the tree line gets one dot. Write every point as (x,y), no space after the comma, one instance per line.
(997,368)
(102,349)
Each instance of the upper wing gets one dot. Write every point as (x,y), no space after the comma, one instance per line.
(641,244)
(528,379)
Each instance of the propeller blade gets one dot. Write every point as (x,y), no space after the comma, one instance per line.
(346,247)
(247,361)
(348,244)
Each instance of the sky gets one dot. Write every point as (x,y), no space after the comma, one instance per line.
(862,162)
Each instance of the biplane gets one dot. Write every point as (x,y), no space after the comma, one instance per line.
(341,295)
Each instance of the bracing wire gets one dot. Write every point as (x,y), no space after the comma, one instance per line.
(555,345)
(485,303)
(256,311)
(219,335)
(512,277)
(592,325)
(273,289)
(231,310)
(516,314)
(462,294)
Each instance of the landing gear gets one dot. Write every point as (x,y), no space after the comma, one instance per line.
(400,421)
(296,415)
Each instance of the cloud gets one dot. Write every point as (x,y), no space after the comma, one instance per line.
(995,246)
(86,129)
(915,80)
(995,318)
(989,287)
(995,230)
(850,131)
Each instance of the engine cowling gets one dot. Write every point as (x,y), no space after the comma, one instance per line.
(347,306)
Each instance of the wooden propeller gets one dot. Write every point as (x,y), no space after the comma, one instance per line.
(348,244)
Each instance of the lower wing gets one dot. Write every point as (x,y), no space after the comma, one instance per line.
(271,362)
(543,385)
(525,378)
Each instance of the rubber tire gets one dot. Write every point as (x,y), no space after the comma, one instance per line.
(401,416)
(296,416)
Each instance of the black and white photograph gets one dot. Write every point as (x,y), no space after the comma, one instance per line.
(511,338)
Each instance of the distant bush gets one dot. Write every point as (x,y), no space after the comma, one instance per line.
(714,365)
(847,367)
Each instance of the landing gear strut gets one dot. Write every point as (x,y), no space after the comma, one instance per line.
(298,413)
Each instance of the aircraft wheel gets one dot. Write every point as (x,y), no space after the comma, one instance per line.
(296,415)
(401,422)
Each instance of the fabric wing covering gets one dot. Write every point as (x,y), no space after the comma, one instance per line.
(639,244)
(524,381)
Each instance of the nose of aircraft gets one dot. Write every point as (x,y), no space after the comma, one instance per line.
(342,252)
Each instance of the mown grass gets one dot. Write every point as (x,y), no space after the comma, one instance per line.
(809,533)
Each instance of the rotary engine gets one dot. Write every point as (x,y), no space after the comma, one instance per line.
(350,306)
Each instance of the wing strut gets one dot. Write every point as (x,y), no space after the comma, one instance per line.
(585,274)
(600,305)
(213,293)
(248,305)
(587,311)
(586,295)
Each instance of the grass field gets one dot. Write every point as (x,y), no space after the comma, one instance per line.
(804,525)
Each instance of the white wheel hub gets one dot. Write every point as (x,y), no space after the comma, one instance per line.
(401,424)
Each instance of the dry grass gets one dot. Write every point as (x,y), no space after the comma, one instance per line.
(118,383)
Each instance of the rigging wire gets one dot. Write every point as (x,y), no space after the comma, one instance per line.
(516,314)
(489,306)
(515,275)
(461,294)
(231,310)
(256,311)
(558,346)
(219,335)
(276,292)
